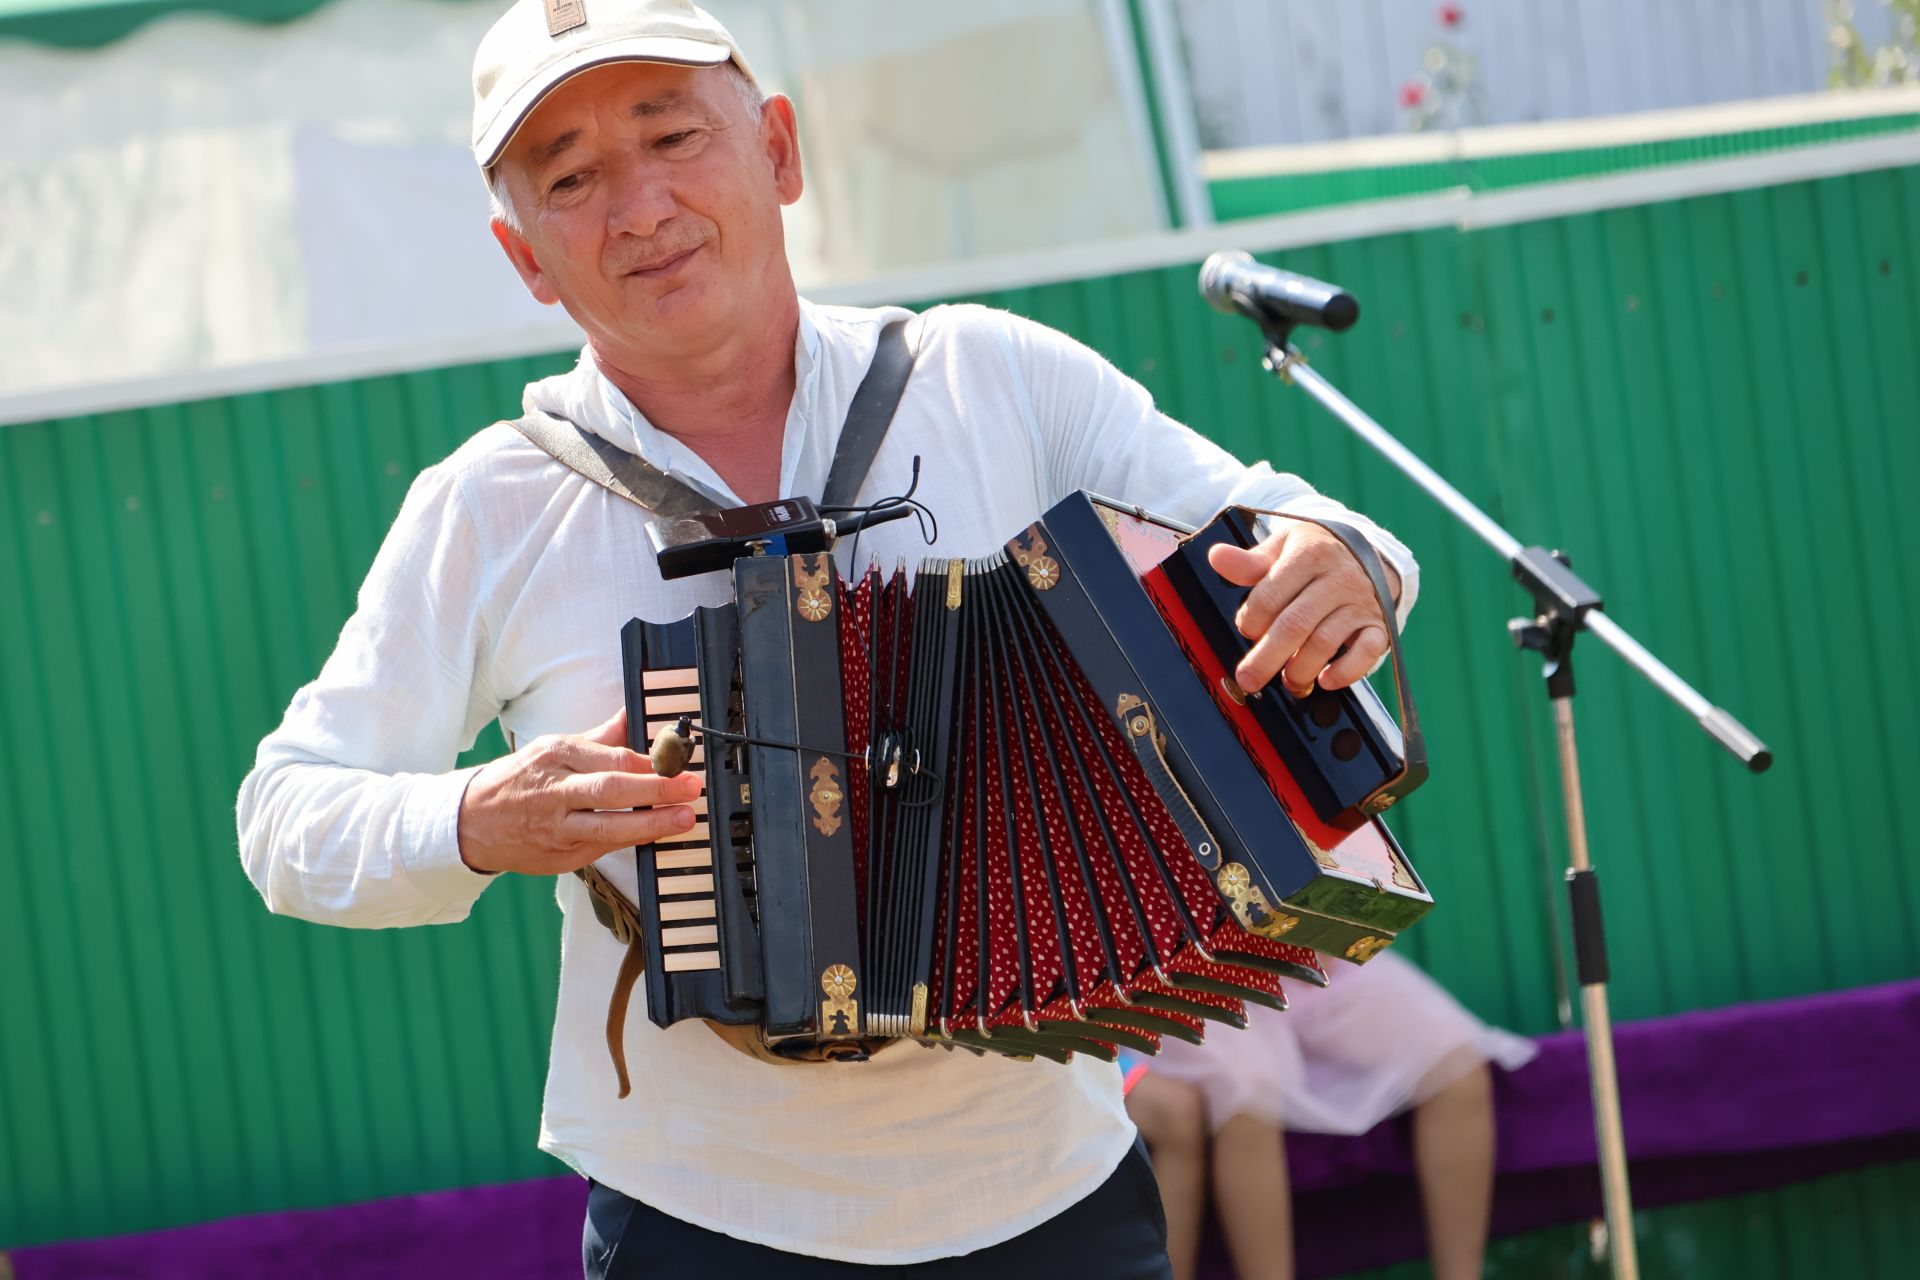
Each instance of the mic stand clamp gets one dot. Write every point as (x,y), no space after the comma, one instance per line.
(1281,356)
(1561,602)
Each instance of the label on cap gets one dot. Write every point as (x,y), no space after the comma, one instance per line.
(564,15)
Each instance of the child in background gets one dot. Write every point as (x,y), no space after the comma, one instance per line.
(1382,1038)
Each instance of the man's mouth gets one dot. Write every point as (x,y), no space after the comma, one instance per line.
(663,265)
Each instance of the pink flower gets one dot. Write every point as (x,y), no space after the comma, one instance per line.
(1450,15)
(1413,93)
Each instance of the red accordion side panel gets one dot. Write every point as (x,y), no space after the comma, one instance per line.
(1361,850)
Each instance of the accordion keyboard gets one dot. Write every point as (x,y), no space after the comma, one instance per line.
(689,927)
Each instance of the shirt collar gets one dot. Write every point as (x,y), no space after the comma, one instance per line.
(588,398)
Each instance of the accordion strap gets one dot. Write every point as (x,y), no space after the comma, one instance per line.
(869,416)
(630,476)
(623,474)
(1413,771)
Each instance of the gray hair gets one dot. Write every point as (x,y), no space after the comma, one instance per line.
(501,204)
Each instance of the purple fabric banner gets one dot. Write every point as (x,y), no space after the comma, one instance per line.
(1756,1077)
(527,1230)
(1716,1103)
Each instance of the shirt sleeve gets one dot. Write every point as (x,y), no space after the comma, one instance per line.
(1099,430)
(351,813)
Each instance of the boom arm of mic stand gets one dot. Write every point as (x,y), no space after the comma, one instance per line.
(1289,365)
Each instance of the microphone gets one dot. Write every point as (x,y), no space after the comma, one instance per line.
(710,540)
(1233,282)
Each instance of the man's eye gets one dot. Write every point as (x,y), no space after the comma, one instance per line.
(678,139)
(564,185)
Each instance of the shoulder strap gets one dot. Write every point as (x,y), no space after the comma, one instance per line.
(869,416)
(632,477)
(612,468)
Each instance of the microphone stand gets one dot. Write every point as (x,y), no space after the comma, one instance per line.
(1564,606)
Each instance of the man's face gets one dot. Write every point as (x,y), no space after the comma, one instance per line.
(649,201)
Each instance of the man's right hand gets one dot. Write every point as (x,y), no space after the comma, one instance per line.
(559,802)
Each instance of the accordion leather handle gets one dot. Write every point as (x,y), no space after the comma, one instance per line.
(1144,737)
(1413,768)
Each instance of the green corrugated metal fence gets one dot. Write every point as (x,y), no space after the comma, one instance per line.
(1263,195)
(1711,401)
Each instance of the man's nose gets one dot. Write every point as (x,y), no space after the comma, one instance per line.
(641,202)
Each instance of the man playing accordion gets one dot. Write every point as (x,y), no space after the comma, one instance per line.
(638,176)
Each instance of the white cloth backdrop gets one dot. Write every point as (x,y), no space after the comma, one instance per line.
(209,193)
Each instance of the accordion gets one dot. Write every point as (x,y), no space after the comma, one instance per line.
(1015,804)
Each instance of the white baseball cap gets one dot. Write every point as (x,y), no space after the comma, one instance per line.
(538,44)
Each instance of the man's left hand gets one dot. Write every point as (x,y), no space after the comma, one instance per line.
(1312,614)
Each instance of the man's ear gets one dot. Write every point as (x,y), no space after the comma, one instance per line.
(520,254)
(780,132)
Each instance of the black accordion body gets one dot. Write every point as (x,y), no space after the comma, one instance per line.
(1013,803)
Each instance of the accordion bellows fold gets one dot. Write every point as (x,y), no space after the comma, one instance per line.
(1004,804)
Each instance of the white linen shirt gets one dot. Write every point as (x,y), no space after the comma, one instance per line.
(500,593)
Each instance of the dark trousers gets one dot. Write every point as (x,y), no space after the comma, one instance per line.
(1117,1233)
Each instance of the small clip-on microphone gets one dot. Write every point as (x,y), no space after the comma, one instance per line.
(687,545)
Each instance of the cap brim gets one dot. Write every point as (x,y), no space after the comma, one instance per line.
(514,112)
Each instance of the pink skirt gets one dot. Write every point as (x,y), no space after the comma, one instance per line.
(1383,1037)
